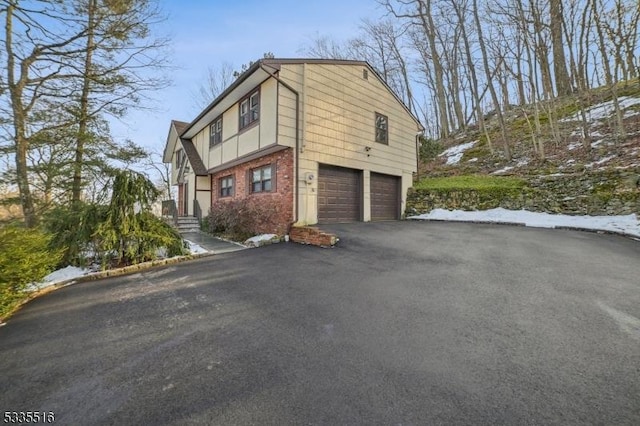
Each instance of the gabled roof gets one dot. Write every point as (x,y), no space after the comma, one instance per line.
(175,130)
(257,73)
(194,158)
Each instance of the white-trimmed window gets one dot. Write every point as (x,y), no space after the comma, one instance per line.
(215,132)
(226,186)
(250,109)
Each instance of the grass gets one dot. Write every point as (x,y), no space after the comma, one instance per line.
(477,182)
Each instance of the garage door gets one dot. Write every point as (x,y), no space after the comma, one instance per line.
(385,197)
(338,194)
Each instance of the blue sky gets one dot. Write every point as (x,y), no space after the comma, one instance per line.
(208,33)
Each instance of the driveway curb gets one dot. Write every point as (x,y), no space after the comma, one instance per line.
(568,228)
(104,274)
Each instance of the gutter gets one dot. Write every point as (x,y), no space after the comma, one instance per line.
(297,160)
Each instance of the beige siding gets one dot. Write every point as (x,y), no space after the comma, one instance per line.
(237,143)
(268,113)
(338,125)
(203,195)
(248,141)
(191,179)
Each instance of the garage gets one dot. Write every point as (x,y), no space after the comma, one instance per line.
(385,197)
(339,194)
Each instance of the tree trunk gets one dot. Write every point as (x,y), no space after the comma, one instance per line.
(563,82)
(424,11)
(83,119)
(19,121)
(492,90)
(472,73)
(609,77)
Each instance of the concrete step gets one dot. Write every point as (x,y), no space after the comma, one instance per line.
(188,223)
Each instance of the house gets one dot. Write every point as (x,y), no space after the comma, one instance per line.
(323,140)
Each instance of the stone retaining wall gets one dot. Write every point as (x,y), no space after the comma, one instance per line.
(613,192)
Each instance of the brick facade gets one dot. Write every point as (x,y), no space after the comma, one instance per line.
(280,197)
(312,235)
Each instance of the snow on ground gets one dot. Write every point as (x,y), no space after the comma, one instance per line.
(600,161)
(195,248)
(258,240)
(628,224)
(455,153)
(64,274)
(604,109)
(520,163)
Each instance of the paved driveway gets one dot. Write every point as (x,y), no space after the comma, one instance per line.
(403,323)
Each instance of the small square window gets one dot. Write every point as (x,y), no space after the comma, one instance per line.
(382,129)
(261,179)
(226,186)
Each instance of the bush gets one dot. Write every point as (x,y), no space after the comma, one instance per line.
(243,218)
(122,233)
(73,231)
(429,148)
(25,257)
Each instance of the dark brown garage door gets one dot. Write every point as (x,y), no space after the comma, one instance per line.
(385,197)
(338,194)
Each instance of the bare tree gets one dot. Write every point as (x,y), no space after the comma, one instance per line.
(217,79)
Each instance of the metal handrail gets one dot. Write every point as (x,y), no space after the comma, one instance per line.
(170,211)
(197,211)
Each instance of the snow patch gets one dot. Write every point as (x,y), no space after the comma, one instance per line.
(455,153)
(628,224)
(195,248)
(600,161)
(574,145)
(259,240)
(604,109)
(64,274)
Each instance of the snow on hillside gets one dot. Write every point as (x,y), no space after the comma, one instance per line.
(604,110)
(455,153)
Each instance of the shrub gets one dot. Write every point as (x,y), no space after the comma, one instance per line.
(25,257)
(429,148)
(122,233)
(243,218)
(73,231)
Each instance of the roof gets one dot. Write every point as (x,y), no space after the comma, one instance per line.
(194,158)
(180,126)
(275,64)
(175,130)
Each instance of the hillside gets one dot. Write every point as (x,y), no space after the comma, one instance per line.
(467,152)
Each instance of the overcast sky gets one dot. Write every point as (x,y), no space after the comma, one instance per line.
(208,33)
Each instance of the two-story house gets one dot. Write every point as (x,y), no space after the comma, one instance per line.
(327,140)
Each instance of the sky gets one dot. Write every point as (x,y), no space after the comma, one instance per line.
(208,33)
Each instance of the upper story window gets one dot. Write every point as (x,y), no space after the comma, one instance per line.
(215,132)
(382,129)
(226,186)
(250,109)
(179,157)
(261,179)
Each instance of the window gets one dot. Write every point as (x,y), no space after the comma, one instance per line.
(179,158)
(261,179)
(215,132)
(226,186)
(250,109)
(382,129)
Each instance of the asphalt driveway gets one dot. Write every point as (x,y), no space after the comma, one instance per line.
(402,323)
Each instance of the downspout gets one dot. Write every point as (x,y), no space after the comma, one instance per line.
(418,156)
(297,162)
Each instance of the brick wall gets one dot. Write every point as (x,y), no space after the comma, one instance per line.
(280,198)
(312,235)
